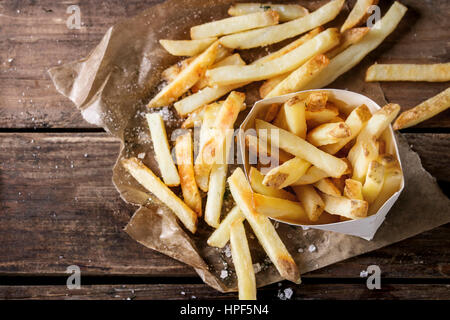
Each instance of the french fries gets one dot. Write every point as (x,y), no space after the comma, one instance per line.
(353,189)
(235,24)
(286,12)
(355,121)
(274,34)
(185,162)
(186,78)
(288,62)
(349,208)
(256,182)
(297,146)
(349,37)
(328,133)
(280,208)
(355,53)
(162,150)
(286,174)
(439,72)
(423,111)
(293,114)
(311,176)
(262,227)
(358,13)
(186,47)
(318,116)
(327,186)
(242,261)
(261,149)
(152,183)
(195,118)
(173,71)
(310,200)
(221,235)
(374,181)
(300,77)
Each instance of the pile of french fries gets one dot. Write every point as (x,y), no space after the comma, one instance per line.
(333,164)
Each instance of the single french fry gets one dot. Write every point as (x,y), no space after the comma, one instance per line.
(355,53)
(286,12)
(262,227)
(327,186)
(221,235)
(280,208)
(439,72)
(286,174)
(152,183)
(162,150)
(355,121)
(360,156)
(315,117)
(235,24)
(233,60)
(288,62)
(195,118)
(256,181)
(316,101)
(374,181)
(242,261)
(328,133)
(311,176)
(310,200)
(272,112)
(185,162)
(300,77)
(353,189)
(224,122)
(423,111)
(349,208)
(358,13)
(349,37)
(273,34)
(297,146)
(186,78)
(187,48)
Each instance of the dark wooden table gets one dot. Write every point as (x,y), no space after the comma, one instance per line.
(58,206)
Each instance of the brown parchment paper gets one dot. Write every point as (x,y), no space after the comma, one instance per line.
(111,87)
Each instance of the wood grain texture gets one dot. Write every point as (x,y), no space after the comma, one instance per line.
(34,35)
(304,291)
(59,208)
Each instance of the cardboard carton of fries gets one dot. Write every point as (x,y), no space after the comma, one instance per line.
(375,211)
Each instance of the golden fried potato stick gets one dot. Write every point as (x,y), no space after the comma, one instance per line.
(256,181)
(286,12)
(221,235)
(187,48)
(152,183)
(439,72)
(310,200)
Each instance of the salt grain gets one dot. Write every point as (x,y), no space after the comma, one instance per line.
(223,274)
(141,155)
(312,248)
(257,267)
(227,251)
(300,250)
(363,274)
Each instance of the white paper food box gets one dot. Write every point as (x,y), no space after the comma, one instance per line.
(366,227)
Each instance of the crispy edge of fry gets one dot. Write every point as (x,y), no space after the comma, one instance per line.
(349,37)
(187,48)
(278,208)
(321,43)
(162,150)
(310,200)
(358,13)
(256,179)
(349,208)
(317,101)
(328,133)
(353,189)
(317,117)
(327,186)
(262,227)
(295,145)
(286,173)
(242,260)
(221,235)
(286,12)
(273,34)
(439,72)
(423,111)
(300,77)
(184,156)
(234,24)
(355,121)
(374,181)
(350,57)
(152,183)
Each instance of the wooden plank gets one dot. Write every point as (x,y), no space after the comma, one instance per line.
(304,291)
(58,207)
(34,35)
